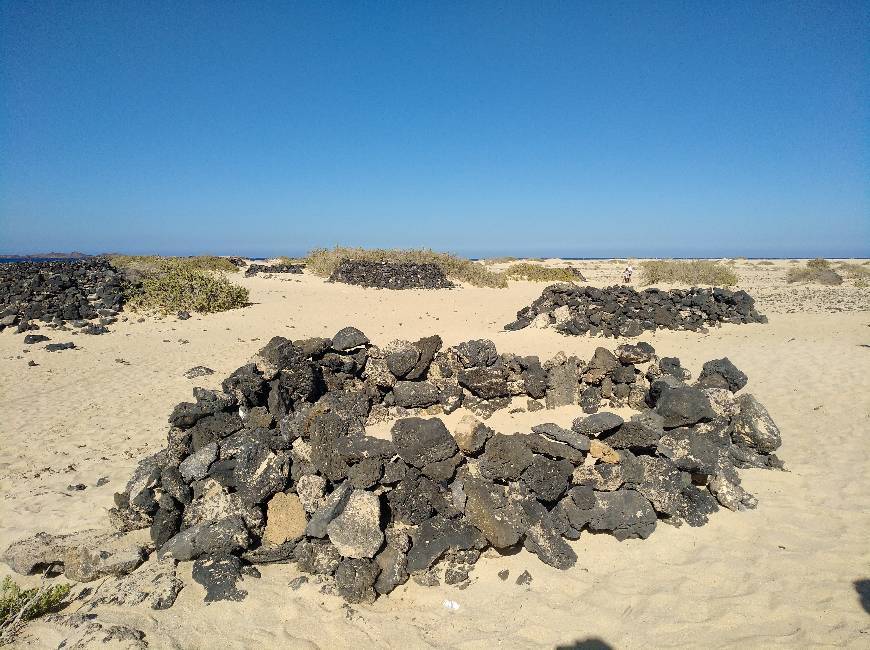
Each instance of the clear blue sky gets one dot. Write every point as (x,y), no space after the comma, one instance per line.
(576,128)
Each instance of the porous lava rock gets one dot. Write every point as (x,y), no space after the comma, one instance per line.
(623,311)
(390,275)
(277,467)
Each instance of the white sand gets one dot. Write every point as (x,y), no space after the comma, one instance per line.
(781,575)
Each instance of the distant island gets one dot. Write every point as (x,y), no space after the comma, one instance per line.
(46,256)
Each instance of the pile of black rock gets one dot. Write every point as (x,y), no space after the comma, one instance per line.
(623,311)
(85,293)
(390,275)
(253,269)
(277,466)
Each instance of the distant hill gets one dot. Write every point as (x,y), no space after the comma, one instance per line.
(42,256)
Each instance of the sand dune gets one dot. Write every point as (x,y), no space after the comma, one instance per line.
(781,575)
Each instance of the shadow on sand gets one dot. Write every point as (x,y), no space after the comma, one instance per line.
(591,643)
(863,589)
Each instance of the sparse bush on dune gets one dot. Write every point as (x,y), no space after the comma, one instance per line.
(817,270)
(19,605)
(291,260)
(765,263)
(853,271)
(324,261)
(156,262)
(180,287)
(540,273)
(818,264)
(499,260)
(692,272)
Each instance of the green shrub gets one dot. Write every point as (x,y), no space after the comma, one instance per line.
(323,262)
(765,263)
(178,287)
(16,602)
(539,273)
(693,272)
(499,260)
(156,262)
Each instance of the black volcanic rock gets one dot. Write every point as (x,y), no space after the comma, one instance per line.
(390,275)
(623,311)
(371,511)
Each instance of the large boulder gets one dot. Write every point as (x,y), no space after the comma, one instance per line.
(721,373)
(422,441)
(356,532)
(753,427)
(684,405)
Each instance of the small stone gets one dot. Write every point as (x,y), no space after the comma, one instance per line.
(554,431)
(219,575)
(198,371)
(355,580)
(525,578)
(329,510)
(209,538)
(471,434)
(195,466)
(721,373)
(683,406)
(603,451)
(420,441)
(597,424)
(348,338)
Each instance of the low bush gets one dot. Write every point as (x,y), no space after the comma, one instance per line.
(18,605)
(323,262)
(853,271)
(765,263)
(540,273)
(818,271)
(692,272)
(156,262)
(818,264)
(180,287)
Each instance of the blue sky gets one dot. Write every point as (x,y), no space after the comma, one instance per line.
(576,128)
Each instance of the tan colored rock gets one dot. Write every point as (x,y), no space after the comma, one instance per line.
(285,519)
(602,451)
(471,434)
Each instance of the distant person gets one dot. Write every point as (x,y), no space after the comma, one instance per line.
(626,274)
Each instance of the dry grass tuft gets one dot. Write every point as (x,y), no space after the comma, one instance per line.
(765,263)
(853,271)
(692,272)
(174,288)
(157,262)
(817,270)
(539,273)
(323,262)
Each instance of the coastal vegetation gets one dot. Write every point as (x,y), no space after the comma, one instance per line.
(691,272)
(324,261)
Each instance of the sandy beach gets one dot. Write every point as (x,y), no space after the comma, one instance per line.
(784,574)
